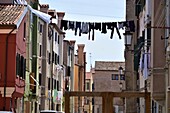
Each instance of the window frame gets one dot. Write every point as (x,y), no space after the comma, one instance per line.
(115,76)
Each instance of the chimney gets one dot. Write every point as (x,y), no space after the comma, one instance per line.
(72,42)
(52,12)
(81,54)
(44,8)
(60,17)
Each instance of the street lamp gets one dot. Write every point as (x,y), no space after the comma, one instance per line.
(128,38)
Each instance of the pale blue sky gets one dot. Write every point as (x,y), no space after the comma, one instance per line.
(102,48)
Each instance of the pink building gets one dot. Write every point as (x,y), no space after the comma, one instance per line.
(13,55)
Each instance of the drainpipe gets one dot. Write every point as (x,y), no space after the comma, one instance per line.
(6,61)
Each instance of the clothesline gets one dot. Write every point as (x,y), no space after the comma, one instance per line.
(87,27)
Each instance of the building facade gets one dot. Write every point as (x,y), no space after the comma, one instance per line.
(68,62)
(35,60)
(88,108)
(152,31)
(79,77)
(13,57)
(106,77)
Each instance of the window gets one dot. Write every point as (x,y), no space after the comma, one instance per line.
(55,84)
(71,56)
(58,39)
(98,111)
(122,77)
(69,50)
(48,83)
(68,70)
(86,100)
(115,77)
(55,59)
(53,55)
(40,28)
(49,57)
(22,67)
(40,51)
(17,64)
(40,78)
(93,87)
(92,101)
(58,59)
(50,33)
(87,86)
(55,36)
(24,31)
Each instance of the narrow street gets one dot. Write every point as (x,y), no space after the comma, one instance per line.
(84,56)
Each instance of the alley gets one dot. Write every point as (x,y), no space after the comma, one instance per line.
(84,56)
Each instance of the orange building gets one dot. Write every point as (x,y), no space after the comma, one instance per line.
(79,77)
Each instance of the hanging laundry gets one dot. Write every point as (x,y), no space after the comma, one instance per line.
(130,25)
(97,26)
(85,27)
(104,28)
(121,25)
(141,64)
(64,24)
(78,26)
(91,27)
(149,59)
(145,69)
(111,26)
(71,25)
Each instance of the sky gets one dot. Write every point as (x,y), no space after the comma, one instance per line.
(102,48)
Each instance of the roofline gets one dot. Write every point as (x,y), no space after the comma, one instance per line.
(57,28)
(22,16)
(7,26)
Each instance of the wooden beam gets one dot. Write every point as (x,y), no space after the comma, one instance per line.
(67,102)
(114,94)
(107,99)
(80,93)
(107,103)
(147,103)
(130,94)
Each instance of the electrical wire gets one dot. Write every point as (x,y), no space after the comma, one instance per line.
(94,15)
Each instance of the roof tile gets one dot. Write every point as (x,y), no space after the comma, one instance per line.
(9,14)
